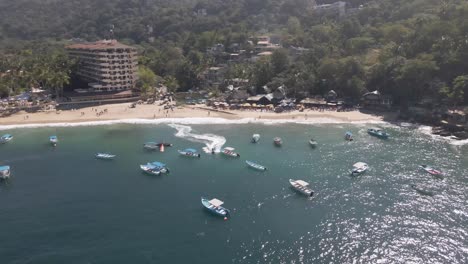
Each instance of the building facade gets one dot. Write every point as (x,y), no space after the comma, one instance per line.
(106,65)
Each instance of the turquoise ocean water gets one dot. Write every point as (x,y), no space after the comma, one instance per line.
(61,205)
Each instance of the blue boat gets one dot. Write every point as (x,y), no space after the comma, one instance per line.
(4,172)
(154,168)
(348,136)
(53,140)
(5,138)
(214,206)
(190,152)
(377,132)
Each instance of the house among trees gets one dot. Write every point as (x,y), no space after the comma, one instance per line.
(261,99)
(374,100)
(213,77)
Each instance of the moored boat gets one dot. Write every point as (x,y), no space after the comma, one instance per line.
(431,170)
(214,206)
(255,165)
(348,136)
(156,146)
(154,168)
(359,168)
(228,151)
(53,140)
(377,132)
(255,138)
(313,143)
(302,187)
(190,152)
(278,141)
(6,138)
(105,156)
(422,191)
(4,172)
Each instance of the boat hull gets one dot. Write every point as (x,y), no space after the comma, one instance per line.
(219,211)
(5,173)
(256,166)
(304,190)
(381,135)
(104,156)
(190,154)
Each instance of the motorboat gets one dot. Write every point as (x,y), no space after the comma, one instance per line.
(421,191)
(4,172)
(6,138)
(359,168)
(255,138)
(190,152)
(154,168)
(105,156)
(228,151)
(215,206)
(53,140)
(348,136)
(313,143)
(278,141)
(431,170)
(156,146)
(255,165)
(377,132)
(302,187)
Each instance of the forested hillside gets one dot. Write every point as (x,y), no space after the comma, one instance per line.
(409,49)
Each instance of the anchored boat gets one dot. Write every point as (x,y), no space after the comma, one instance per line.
(105,156)
(214,206)
(255,138)
(156,146)
(301,186)
(228,151)
(359,168)
(255,165)
(4,172)
(312,143)
(154,168)
(53,140)
(278,141)
(377,132)
(190,152)
(431,170)
(348,136)
(6,138)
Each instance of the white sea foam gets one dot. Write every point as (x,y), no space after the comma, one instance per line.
(211,141)
(427,130)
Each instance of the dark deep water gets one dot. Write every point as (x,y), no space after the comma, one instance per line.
(61,205)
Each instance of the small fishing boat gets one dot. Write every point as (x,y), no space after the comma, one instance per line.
(255,165)
(421,191)
(313,143)
(6,138)
(348,136)
(190,152)
(228,151)
(359,168)
(255,138)
(431,170)
(301,186)
(4,172)
(154,168)
(156,146)
(105,156)
(214,206)
(278,141)
(377,132)
(53,140)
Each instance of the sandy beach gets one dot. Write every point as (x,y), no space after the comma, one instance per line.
(123,111)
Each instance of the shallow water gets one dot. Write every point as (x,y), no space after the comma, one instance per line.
(64,206)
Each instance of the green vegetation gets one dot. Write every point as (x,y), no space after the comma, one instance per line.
(407,49)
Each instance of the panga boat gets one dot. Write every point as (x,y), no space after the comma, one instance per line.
(431,170)
(359,168)
(255,165)
(105,156)
(155,168)
(156,146)
(4,172)
(312,143)
(5,138)
(190,152)
(278,142)
(214,206)
(348,136)
(301,186)
(228,151)
(53,140)
(377,132)
(255,138)
(421,191)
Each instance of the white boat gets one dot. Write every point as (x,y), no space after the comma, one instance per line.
(312,143)
(105,156)
(255,138)
(155,168)
(53,140)
(228,151)
(255,165)
(301,186)
(215,206)
(359,168)
(6,138)
(190,152)
(4,172)
(278,141)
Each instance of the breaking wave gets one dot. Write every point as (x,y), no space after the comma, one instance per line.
(211,141)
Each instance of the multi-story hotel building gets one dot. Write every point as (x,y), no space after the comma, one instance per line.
(106,65)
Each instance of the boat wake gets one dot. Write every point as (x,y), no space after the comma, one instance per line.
(211,141)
